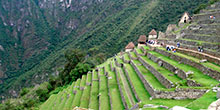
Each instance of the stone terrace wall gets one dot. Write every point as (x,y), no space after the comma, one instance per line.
(180,94)
(199,56)
(135,51)
(133,58)
(180,73)
(126,61)
(147,85)
(132,86)
(167,83)
(119,86)
(212,73)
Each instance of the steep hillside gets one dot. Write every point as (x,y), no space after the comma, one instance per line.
(35,34)
(146,78)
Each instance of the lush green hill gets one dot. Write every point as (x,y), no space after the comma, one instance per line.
(35,34)
(118,85)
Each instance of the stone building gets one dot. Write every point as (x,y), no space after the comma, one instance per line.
(171,28)
(142,41)
(129,47)
(152,34)
(185,18)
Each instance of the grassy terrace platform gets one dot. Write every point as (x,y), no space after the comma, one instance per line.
(139,51)
(86,92)
(198,76)
(126,89)
(119,59)
(207,64)
(126,56)
(103,92)
(94,102)
(166,73)
(146,47)
(144,95)
(63,100)
(203,102)
(69,101)
(114,90)
(49,103)
(133,54)
(76,101)
(149,76)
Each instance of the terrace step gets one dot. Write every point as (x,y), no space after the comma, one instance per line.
(79,91)
(206,16)
(127,95)
(198,76)
(70,96)
(207,38)
(166,77)
(94,101)
(84,103)
(137,85)
(204,26)
(200,55)
(104,101)
(207,11)
(114,93)
(207,68)
(200,31)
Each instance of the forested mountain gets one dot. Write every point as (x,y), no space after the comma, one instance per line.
(34,34)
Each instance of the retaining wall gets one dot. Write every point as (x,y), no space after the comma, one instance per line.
(212,73)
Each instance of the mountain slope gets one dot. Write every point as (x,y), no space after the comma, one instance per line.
(33,52)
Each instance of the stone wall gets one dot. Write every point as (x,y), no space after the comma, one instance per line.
(124,60)
(135,51)
(180,73)
(147,86)
(177,94)
(198,55)
(164,81)
(212,73)
(119,86)
(180,94)
(133,58)
(132,86)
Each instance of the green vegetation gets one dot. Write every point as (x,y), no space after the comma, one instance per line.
(198,76)
(149,76)
(94,100)
(126,56)
(203,6)
(166,73)
(113,90)
(203,102)
(103,92)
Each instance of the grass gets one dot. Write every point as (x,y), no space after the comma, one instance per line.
(49,103)
(207,64)
(114,90)
(133,54)
(76,101)
(70,99)
(144,95)
(166,73)
(139,51)
(86,93)
(94,101)
(126,57)
(199,42)
(119,59)
(103,92)
(149,76)
(126,89)
(198,76)
(146,47)
(138,85)
(203,102)
(63,100)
